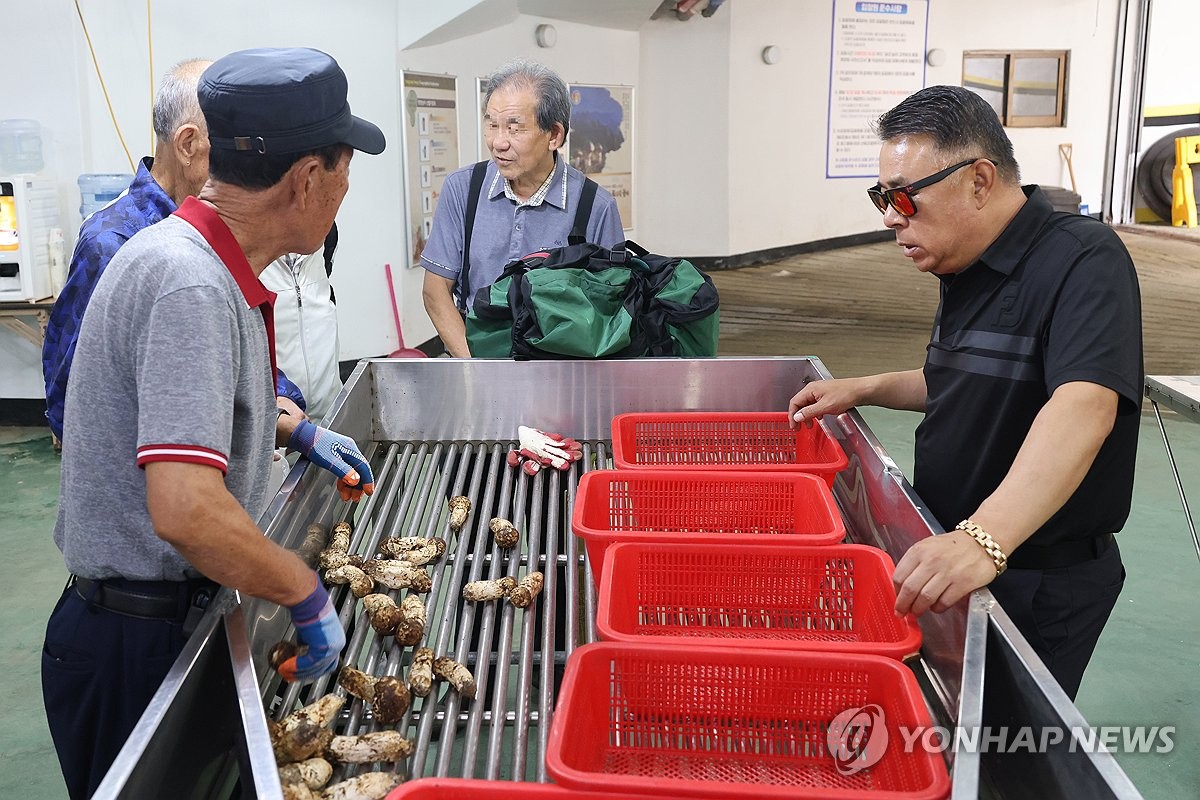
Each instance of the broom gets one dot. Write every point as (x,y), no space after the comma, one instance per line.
(402,351)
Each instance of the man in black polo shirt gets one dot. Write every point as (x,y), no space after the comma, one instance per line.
(1031,387)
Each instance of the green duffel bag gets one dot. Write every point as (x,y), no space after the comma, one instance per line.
(586,301)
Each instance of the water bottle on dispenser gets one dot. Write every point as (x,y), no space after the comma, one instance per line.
(98,189)
(20,146)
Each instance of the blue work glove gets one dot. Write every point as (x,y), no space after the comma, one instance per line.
(318,628)
(336,453)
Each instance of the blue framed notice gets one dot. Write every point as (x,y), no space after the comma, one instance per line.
(877,58)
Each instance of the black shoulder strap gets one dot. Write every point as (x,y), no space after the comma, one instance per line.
(464,276)
(331,243)
(587,197)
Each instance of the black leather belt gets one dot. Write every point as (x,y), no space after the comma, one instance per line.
(145,599)
(1063,554)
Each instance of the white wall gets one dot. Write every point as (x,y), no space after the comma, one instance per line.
(779,194)
(364,45)
(44,88)
(732,151)
(418,17)
(682,145)
(1171,63)
(1087,28)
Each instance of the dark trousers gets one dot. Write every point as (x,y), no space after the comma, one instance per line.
(99,671)
(1062,611)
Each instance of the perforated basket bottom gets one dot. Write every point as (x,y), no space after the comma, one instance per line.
(727,443)
(767,597)
(678,622)
(743,722)
(641,505)
(731,768)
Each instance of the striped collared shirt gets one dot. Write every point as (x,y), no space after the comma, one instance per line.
(537,197)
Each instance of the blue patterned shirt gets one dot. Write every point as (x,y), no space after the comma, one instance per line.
(101,235)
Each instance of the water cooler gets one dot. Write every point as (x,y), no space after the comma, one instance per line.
(29,223)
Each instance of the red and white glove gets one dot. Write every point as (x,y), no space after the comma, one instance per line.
(540,449)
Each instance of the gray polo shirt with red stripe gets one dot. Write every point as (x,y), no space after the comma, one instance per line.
(175,362)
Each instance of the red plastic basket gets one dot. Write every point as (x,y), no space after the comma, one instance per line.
(836,598)
(468,789)
(708,722)
(752,508)
(725,441)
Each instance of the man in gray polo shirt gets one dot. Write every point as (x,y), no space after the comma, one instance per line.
(527,200)
(171,409)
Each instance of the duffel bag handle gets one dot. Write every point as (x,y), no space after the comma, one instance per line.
(624,252)
(633,247)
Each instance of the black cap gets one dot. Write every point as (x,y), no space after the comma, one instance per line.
(281,100)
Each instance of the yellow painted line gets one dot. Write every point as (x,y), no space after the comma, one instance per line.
(990,83)
(1045,86)
(1172,111)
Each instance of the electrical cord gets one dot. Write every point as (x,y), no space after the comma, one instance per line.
(103,88)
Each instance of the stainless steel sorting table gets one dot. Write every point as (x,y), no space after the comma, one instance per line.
(437,427)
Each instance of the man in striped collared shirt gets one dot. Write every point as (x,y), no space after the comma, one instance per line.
(527,202)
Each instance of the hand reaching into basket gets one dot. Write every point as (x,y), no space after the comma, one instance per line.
(540,449)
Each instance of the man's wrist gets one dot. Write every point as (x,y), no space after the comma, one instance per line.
(984,539)
(285,425)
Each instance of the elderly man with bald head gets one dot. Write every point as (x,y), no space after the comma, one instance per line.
(177,170)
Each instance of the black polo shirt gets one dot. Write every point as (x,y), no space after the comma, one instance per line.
(1053,300)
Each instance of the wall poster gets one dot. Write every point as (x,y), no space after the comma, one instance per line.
(430,149)
(600,143)
(482,93)
(877,60)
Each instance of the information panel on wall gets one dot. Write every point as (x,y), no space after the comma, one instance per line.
(430,148)
(877,59)
(482,93)
(600,143)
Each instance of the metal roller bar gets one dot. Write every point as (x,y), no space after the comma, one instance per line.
(453,542)
(525,664)
(467,618)
(507,719)
(503,670)
(549,604)
(483,664)
(435,518)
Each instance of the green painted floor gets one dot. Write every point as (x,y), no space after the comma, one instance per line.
(1144,672)
(1147,663)
(32,577)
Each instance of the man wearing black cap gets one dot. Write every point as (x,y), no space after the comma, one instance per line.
(157,505)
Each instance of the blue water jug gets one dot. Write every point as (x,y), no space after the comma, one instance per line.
(20,146)
(98,189)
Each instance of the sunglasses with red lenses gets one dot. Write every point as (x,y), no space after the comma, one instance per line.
(901,198)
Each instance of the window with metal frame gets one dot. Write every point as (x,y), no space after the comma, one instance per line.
(1027,88)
